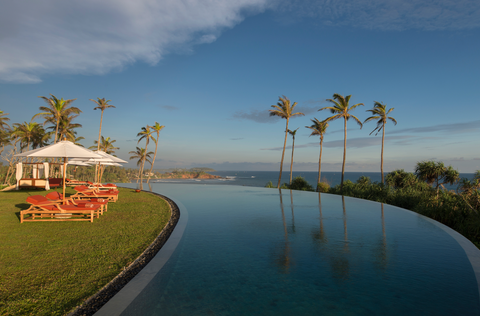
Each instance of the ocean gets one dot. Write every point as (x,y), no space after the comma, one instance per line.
(261,178)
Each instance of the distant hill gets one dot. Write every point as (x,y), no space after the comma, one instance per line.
(196,169)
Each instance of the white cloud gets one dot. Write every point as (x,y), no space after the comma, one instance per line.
(388,15)
(96,37)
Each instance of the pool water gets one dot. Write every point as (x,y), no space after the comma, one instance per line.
(258,251)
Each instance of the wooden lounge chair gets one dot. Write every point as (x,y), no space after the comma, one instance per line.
(71,182)
(92,185)
(55,196)
(42,209)
(85,193)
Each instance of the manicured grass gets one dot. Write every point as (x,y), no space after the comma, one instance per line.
(49,268)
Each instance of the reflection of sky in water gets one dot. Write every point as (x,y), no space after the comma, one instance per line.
(252,251)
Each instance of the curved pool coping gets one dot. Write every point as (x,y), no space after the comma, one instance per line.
(118,303)
(94,303)
(472,252)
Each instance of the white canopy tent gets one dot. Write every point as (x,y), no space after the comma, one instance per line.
(62,149)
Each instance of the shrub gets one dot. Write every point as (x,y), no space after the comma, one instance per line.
(299,183)
(269,185)
(323,187)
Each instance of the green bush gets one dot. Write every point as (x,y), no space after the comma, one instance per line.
(270,185)
(299,183)
(323,187)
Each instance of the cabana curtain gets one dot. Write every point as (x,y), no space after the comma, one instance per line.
(46,169)
(19,173)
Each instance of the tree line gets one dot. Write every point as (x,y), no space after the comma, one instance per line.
(340,109)
(59,124)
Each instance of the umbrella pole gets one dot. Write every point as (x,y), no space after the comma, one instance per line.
(64,176)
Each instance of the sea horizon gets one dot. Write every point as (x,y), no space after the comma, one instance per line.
(261,178)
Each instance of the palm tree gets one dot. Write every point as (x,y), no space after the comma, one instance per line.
(3,120)
(145,133)
(318,129)
(56,109)
(66,128)
(293,133)
(4,130)
(284,110)
(380,113)
(25,132)
(106,145)
(77,140)
(102,105)
(4,139)
(40,137)
(142,155)
(157,128)
(341,108)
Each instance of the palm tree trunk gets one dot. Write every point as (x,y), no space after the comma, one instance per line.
(381,160)
(291,162)
(143,163)
(100,131)
(319,164)
(154,156)
(56,131)
(283,155)
(344,156)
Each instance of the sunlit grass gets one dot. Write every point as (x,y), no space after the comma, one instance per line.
(49,268)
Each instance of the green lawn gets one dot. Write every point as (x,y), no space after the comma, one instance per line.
(49,268)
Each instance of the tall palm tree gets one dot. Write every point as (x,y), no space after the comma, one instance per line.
(380,113)
(142,155)
(145,133)
(25,132)
(318,129)
(284,109)
(77,140)
(340,109)
(293,133)
(157,128)
(3,120)
(4,130)
(55,110)
(4,139)
(66,128)
(106,145)
(102,105)
(40,137)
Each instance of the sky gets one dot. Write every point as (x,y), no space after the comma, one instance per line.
(210,70)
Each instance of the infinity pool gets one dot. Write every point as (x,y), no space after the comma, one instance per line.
(258,251)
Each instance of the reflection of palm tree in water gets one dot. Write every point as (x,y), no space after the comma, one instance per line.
(320,235)
(381,249)
(283,260)
(337,258)
(340,264)
(345,231)
(293,216)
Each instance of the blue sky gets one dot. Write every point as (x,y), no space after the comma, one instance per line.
(210,70)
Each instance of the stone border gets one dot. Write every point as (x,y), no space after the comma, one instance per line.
(95,302)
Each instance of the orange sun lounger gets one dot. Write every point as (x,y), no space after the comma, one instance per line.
(85,193)
(42,209)
(92,185)
(55,196)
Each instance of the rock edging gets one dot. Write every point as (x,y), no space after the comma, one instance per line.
(95,302)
